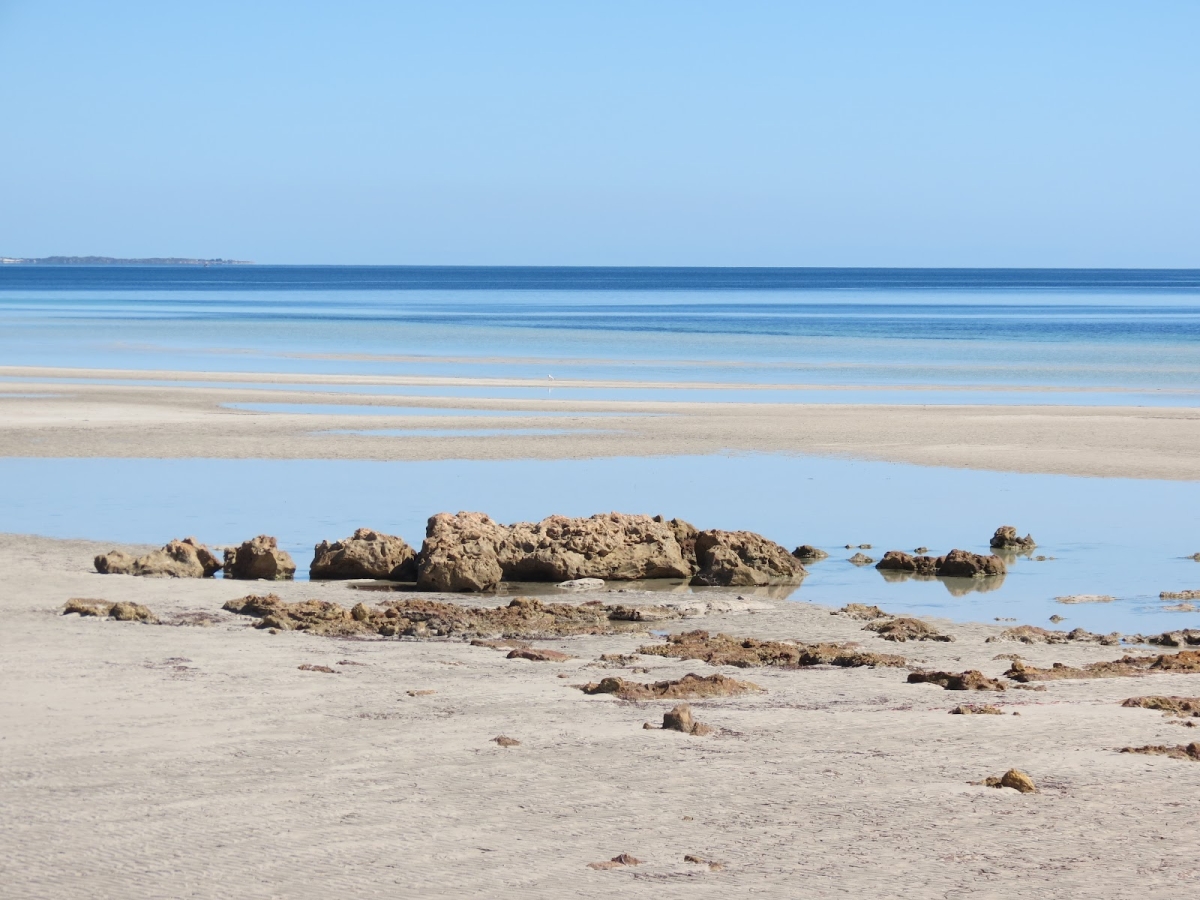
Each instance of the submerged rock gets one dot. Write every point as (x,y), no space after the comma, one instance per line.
(581,584)
(1179,595)
(187,558)
(366,554)
(860,559)
(1085,598)
(1006,538)
(742,559)
(259,558)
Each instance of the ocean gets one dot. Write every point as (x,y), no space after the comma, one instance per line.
(1129,338)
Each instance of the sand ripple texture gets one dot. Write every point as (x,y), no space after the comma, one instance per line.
(150,761)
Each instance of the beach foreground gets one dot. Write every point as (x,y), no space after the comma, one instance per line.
(199,761)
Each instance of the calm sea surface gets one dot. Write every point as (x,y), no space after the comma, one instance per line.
(1131,333)
(903,336)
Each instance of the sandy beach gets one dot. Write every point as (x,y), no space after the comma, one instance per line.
(140,417)
(145,760)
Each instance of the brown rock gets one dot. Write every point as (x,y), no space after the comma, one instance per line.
(743,559)
(860,559)
(611,546)
(1032,634)
(862,612)
(899,561)
(1185,638)
(523,617)
(177,559)
(971,680)
(699,860)
(724,650)
(1181,663)
(807,553)
(1006,538)
(616,862)
(689,687)
(1085,598)
(976,709)
(904,629)
(367,554)
(85,606)
(460,553)
(131,612)
(505,741)
(309,667)
(1169,706)
(685,535)
(1018,781)
(1179,595)
(1182,751)
(538,654)
(964,564)
(680,719)
(259,558)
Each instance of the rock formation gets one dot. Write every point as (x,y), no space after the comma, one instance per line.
(680,719)
(689,687)
(259,558)
(178,559)
(807,553)
(1183,707)
(471,552)
(1006,538)
(1015,779)
(1032,634)
(899,561)
(904,629)
(368,554)
(122,612)
(743,559)
(964,564)
(1182,751)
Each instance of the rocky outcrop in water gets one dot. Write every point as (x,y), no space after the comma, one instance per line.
(1006,538)
(367,554)
(965,564)
(807,553)
(899,561)
(743,559)
(178,559)
(472,552)
(259,558)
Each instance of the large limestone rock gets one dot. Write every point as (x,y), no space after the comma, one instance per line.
(178,559)
(471,552)
(368,554)
(611,546)
(899,561)
(743,559)
(460,553)
(259,558)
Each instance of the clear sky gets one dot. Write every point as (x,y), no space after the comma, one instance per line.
(609,133)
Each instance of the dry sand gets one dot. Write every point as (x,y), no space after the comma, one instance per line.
(158,761)
(140,419)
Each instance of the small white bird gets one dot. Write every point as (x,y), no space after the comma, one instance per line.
(551,377)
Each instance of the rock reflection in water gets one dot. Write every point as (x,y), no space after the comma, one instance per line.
(958,587)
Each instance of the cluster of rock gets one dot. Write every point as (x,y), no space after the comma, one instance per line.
(122,612)
(188,558)
(1032,634)
(725,650)
(1181,663)
(955,564)
(1006,538)
(689,687)
(472,552)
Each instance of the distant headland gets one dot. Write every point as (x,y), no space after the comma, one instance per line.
(115,261)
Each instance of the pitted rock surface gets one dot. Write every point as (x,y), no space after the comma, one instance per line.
(367,554)
(743,559)
(187,558)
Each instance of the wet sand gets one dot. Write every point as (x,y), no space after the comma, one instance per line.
(138,419)
(155,760)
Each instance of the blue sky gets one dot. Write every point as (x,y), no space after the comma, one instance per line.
(622,133)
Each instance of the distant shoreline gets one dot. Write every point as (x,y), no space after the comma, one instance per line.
(116,261)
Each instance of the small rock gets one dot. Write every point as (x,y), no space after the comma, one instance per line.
(1015,779)
(920,550)
(309,667)
(971,680)
(538,654)
(807,553)
(699,860)
(1182,751)
(1006,538)
(259,558)
(860,559)
(581,584)
(616,862)
(505,741)
(422,693)
(1056,619)
(1085,598)
(680,719)
(976,709)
